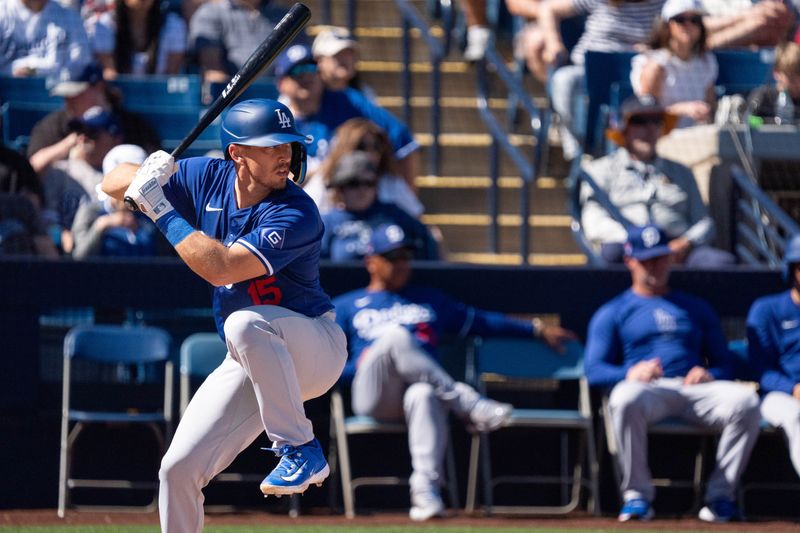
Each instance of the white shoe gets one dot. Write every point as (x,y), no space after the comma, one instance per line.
(488,415)
(426,505)
(478,38)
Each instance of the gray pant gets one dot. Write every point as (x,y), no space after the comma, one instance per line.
(783,410)
(398,380)
(567,95)
(726,405)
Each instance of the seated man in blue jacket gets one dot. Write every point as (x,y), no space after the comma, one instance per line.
(663,354)
(393,331)
(773,334)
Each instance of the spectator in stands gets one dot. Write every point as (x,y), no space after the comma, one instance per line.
(773,329)
(733,24)
(52,139)
(319,111)
(74,180)
(104,227)
(529,43)
(611,26)
(366,136)
(22,229)
(678,71)
(662,353)
(393,332)
(39,38)
(479,34)
(786,71)
(336,54)
(646,188)
(223,34)
(348,228)
(139,38)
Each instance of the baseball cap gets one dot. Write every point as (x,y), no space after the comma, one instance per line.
(294,56)
(123,153)
(647,242)
(354,166)
(388,237)
(333,40)
(94,119)
(72,83)
(674,8)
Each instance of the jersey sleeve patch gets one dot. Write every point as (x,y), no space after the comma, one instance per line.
(272,237)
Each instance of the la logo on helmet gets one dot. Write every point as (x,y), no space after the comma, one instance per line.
(283,119)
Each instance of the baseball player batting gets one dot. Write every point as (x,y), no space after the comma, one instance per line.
(252,233)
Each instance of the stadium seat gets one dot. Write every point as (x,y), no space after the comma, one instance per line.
(530,367)
(30,90)
(130,361)
(19,119)
(172,125)
(174,92)
(602,70)
(741,71)
(345,425)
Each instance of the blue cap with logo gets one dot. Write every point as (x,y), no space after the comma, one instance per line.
(388,237)
(295,56)
(69,83)
(96,119)
(647,242)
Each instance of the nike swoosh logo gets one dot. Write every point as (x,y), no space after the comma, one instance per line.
(296,474)
(209,208)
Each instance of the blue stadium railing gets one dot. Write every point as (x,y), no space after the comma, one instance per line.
(412,19)
(527,164)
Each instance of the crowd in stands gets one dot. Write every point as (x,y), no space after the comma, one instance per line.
(656,351)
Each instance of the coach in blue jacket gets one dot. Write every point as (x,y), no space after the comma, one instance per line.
(663,354)
(773,333)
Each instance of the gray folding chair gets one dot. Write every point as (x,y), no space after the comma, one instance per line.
(126,358)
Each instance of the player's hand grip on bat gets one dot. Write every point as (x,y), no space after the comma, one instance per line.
(146,193)
(159,165)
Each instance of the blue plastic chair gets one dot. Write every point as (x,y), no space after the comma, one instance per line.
(172,125)
(201,353)
(120,356)
(741,71)
(31,90)
(261,88)
(174,92)
(19,119)
(522,364)
(602,70)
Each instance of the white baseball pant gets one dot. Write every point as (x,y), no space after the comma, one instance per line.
(276,360)
(783,410)
(730,406)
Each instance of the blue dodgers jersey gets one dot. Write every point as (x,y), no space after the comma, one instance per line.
(773,335)
(681,330)
(427,313)
(283,231)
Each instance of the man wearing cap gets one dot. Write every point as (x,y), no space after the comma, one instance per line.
(662,353)
(69,182)
(52,138)
(349,227)
(393,331)
(40,37)
(336,54)
(320,111)
(647,189)
(773,335)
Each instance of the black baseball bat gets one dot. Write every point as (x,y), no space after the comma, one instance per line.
(283,33)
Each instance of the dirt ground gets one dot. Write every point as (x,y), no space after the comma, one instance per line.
(577,521)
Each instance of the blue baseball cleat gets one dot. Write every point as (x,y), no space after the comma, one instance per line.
(299,467)
(635,509)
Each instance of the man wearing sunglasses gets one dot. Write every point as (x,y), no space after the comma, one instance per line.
(647,189)
(393,331)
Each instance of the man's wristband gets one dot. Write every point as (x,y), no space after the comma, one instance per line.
(174,227)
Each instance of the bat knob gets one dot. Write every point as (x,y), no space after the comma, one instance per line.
(130,204)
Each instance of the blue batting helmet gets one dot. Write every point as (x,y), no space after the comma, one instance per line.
(791,256)
(262,122)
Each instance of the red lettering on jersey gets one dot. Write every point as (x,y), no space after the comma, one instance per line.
(263,291)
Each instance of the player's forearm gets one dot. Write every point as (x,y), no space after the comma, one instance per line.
(214,262)
(117,181)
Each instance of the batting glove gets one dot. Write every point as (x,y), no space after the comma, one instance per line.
(159,165)
(147,194)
